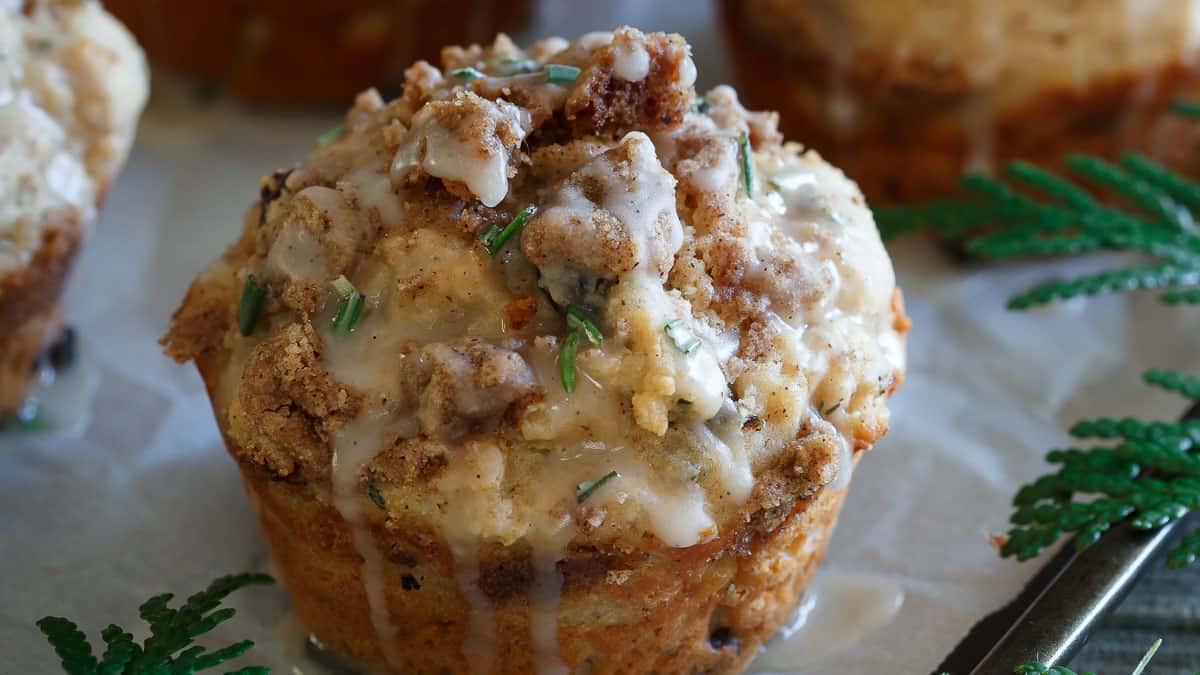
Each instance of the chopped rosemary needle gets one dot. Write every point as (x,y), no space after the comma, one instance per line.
(566,360)
(250,305)
(509,66)
(786,181)
(467,75)
(494,237)
(331,134)
(588,488)
(559,74)
(681,336)
(832,409)
(343,286)
(747,163)
(374,494)
(578,322)
(349,309)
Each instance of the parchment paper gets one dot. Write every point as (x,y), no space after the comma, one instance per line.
(133,494)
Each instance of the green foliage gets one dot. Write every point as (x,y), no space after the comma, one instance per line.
(1186,552)
(1135,206)
(1150,476)
(169,649)
(1149,472)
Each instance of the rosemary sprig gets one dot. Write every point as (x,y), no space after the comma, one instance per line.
(561,75)
(250,306)
(169,649)
(747,159)
(331,134)
(349,308)
(588,488)
(681,336)
(579,327)
(466,75)
(495,237)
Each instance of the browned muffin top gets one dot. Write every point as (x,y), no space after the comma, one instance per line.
(545,268)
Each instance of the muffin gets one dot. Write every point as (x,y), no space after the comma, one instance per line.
(563,371)
(312,51)
(906,95)
(72,84)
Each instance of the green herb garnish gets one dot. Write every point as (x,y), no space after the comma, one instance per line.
(747,163)
(467,75)
(250,306)
(343,286)
(330,135)
(169,648)
(566,360)
(579,322)
(578,325)
(349,309)
(586,489)
(508,66)
(832,409)
(700,105)
(558,74)
(495,237)
(375,495)
(681,336)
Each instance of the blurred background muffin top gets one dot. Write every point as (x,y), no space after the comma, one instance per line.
(308,51)
(907,95)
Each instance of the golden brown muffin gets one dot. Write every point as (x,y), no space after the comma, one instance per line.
(616,355)
(311,51)
(907,95)
(72,84)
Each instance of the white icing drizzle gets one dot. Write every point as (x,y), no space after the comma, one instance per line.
(545,597)
(295,254)
(354,445)
(727,449)
(631,61)
(471,151)
(479,644)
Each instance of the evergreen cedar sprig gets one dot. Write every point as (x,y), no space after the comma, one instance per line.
(1038,213)
(1150,473)
(169,649)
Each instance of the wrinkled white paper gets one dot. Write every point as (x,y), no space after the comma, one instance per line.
(135,495)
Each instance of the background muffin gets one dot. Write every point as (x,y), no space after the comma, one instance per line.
(549,364)
(907,95)
(311,51)
(72,84)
